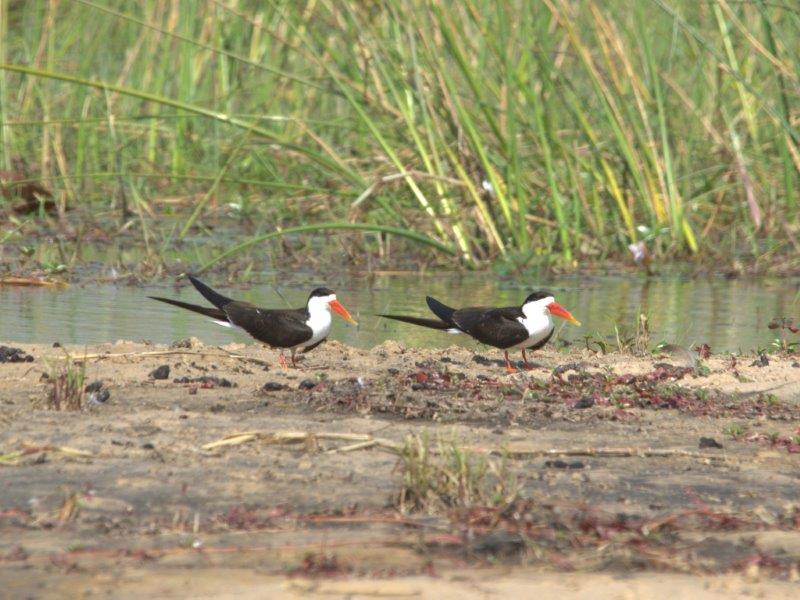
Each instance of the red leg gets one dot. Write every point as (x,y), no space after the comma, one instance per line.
(525,358)
(294,362)
(509,368)
(282,360)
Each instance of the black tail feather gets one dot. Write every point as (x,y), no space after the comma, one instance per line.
(430,323)
(214,313)
(212,296)
(444,312)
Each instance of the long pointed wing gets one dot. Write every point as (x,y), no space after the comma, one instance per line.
(277,328)
(214,313)
(496,327)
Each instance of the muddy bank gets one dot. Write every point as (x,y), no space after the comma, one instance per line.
(618,463)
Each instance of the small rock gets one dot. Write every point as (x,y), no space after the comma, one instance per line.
(148,446)
(586,402)
(56,344)
(796,365)
(499,543)
(761,361)
(161,372)
(95,392)
(13,355)
(561,464)
(307,384)
(206,382)
(707,442)
(481,360)
(393,371)
(215,408)
(272,386)
(190,342)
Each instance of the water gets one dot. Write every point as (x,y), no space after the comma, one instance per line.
(728,315)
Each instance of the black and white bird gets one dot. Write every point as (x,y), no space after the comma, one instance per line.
(295,328)
(526,327)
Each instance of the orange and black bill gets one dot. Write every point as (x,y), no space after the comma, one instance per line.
(559,311)
(342,311)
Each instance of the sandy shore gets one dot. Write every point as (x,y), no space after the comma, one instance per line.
(135,495)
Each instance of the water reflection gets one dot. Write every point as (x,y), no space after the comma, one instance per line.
(729,315)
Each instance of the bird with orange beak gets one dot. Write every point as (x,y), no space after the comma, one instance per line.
(295,328)
(526,327)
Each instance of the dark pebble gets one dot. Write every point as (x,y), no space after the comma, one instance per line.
(481,360)
(761,361)
(13,355)
(393,371)
(573,366)
(446,359)
(796,365)
(663,365)
(56,344)
(417,387)
(207,381)
(161,372)
(307,384)
(584,403)
(97,393)
(562,464)
(148,446)
(707,442)
(216,408)
(499,543)
(272,386)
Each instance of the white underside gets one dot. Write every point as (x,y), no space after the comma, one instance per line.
(320,324)
(533,338)
(539,326)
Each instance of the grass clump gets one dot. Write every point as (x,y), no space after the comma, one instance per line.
(445,475)
(66,385)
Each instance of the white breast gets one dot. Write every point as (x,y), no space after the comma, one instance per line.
(320,324)
(539,326)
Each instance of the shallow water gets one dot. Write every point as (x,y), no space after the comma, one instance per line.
(728,315)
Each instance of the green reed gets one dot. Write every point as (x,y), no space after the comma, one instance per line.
(526,130)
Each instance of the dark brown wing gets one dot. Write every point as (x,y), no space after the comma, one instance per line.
(496,327)
(276,328)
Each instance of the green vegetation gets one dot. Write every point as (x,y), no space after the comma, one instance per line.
(530,131)
(448,475)
(66,385)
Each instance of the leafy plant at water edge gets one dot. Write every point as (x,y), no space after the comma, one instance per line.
(530,131)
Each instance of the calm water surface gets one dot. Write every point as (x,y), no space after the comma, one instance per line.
(728,315)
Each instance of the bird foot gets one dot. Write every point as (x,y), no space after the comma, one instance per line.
(510,369)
